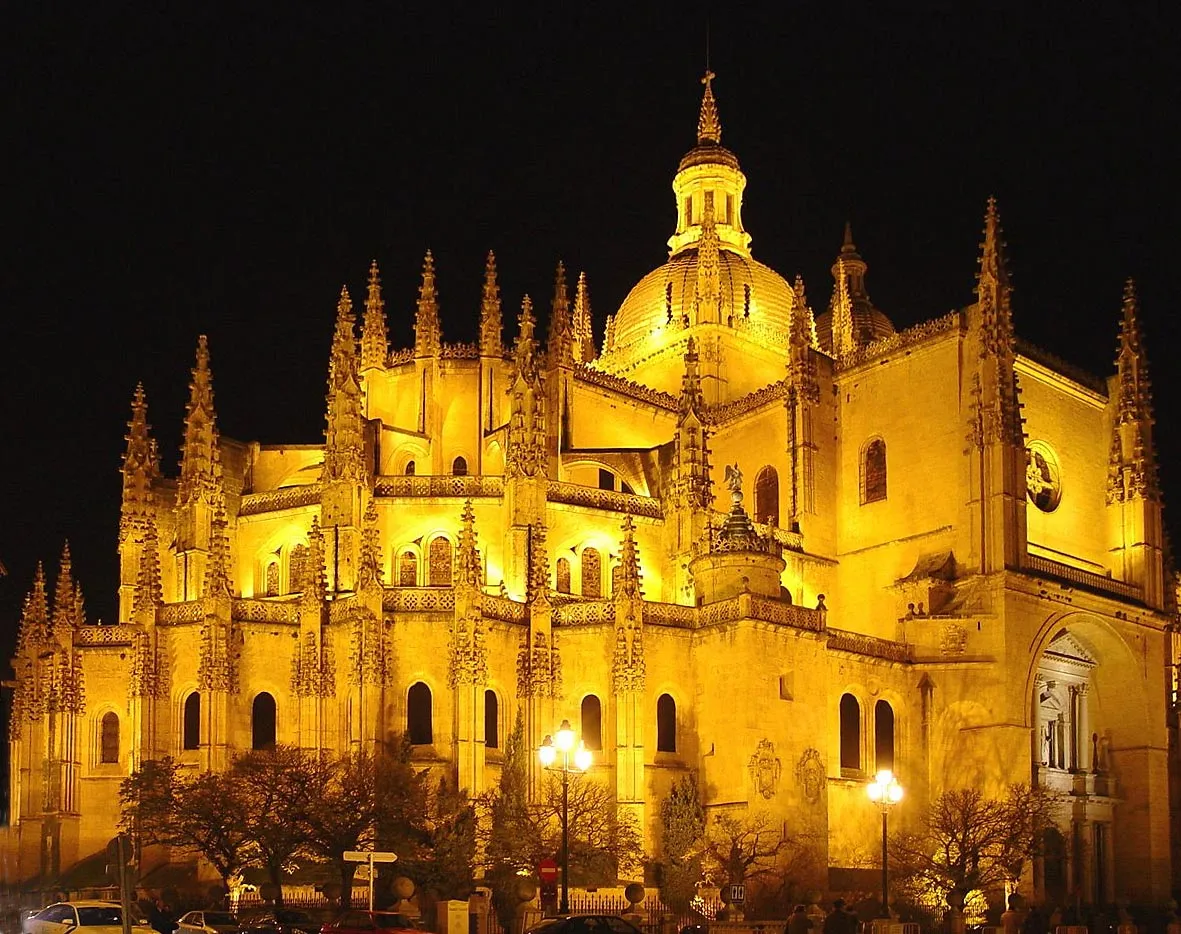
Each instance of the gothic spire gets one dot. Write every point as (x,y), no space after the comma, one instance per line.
(428,335)
(468,568)
(490,319)
(803,321)
(691,400)
(843,339)
(709,126)
(65,598)
(1135,392)
(217,570)
(561,338)
(375,343)
(34,621)
(344,457)
(584,338)
(148,591)
(628,582)
(1132,469)
(370,572)
(993,291)
(200,463)
(315,586)
(140,464)
(525,348)
(525,454)
(801,365)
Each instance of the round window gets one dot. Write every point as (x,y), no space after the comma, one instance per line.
(1043,480)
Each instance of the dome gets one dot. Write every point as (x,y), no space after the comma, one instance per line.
(869,324)
(744,284)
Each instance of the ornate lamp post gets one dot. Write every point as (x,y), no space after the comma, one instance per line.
(885,792)
(563,742)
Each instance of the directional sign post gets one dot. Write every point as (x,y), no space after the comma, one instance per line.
(369,857)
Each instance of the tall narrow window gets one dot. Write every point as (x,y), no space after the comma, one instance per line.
(408,569)
(666,724)
(440,562)
(767,496)
(850,732)
(563,574)
(491,720)
(262,722)
(592,722)
(883,735)
(592,573)
(271,584)
(109,739)
(689,211)
(191,732)
(419,726)
(459,467)
(873,471)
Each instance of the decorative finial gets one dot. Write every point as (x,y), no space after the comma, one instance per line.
(848,246)
(374,335)
(490,318)
(709,126)
(427,328)
(560,337)
(584,339)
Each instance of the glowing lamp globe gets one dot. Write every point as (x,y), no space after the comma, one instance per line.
(547,752)
(582,757)
(884,789)
(565,737)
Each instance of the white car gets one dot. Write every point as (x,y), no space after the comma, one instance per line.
(208,922)
(93,917)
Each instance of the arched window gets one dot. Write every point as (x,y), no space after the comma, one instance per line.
(666,724)
(592,573)
(109,739)
(262,722)
(883,736)
(563,573)
(410,468)
(850,732)
(440,562)
(408,569)
(606,479)
(459,467)
(873,472)
(191,738)
(491,720)
(271,580)
(419,725)
(297,570)
(592,722)
(767,496)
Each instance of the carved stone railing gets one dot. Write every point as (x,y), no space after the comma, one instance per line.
(900,340)
(266,611)
(574,494)
(586,612)
(871,646)
(662,400)
(1088,580)
(502,608)
(785,614)
(273,500)
(720,414)
(670,614)
(419,600)
(398,357)
(122,634)
(460,352)
(190,612)
(723,611)
(469,487)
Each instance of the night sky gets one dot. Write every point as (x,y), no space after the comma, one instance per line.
(197,172)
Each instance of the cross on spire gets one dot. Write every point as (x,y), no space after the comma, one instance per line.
(709,125)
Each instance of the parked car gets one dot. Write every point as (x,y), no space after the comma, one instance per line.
(367,922)
(585,924)
(281,921)
(208,922)
(96,917)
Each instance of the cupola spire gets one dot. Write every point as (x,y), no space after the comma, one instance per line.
(709,125)
(428,334)
(374,335)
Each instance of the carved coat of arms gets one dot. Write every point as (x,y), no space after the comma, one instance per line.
(810,775)
(765,769)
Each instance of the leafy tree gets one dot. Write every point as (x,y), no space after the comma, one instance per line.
(682,832)
(968,841)
(204,813)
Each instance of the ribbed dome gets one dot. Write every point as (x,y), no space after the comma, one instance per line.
(743,283)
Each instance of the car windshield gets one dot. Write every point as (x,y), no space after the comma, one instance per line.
(291,917)
(392,921)
(220,917)
(99,917)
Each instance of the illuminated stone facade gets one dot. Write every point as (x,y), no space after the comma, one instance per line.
(942,553)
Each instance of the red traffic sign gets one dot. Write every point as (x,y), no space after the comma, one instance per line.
(547,871)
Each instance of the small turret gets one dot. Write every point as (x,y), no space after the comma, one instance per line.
(490,319)
(584,338)
(375,345)
(428,334)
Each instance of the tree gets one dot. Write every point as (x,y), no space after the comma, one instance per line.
(970,842)
(744,848)
(682,832)
(605,842)
(203,813)
(506,828)
(452,843)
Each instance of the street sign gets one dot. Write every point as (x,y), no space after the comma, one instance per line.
(737,893)
(547,871)
(369,857)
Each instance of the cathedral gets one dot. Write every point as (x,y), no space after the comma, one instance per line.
(783,549)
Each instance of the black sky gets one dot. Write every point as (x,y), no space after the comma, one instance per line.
(197,170)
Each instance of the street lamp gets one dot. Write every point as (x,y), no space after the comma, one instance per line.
(885,792)
(563,741)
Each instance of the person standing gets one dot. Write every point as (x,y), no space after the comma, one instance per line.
(799,922)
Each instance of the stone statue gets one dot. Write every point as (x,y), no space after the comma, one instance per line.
(734,484)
